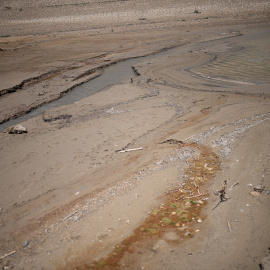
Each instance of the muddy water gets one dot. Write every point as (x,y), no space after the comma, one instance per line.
(248,62)
(112,75)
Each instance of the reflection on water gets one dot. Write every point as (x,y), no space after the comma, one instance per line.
(250,64)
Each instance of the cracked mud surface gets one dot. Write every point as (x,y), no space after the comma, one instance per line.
(69,198)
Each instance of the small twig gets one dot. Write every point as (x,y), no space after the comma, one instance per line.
(70,215)
(195,184)
(199,192)
(229,226)
(222,194)
(128,150)
(196,196)
(236,183)
(8,254)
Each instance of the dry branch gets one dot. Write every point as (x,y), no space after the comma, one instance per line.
(129,150)
(196,196)
(8,254)
(229,226)
(222,192)
(236,183)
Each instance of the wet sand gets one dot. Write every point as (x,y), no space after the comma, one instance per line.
(69,195)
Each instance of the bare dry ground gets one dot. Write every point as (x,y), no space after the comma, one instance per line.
(195,114)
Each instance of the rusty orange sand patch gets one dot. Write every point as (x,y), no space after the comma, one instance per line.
(181,210)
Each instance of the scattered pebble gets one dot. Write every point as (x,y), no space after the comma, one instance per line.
(26,243)
(259,188)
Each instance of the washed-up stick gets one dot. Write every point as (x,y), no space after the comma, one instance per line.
(222,194)
(236,183)
(196,196)
(8,254)
(229,226)
(129,150)
(70,215)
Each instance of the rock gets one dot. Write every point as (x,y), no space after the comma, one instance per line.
(254,193)
(17,129)
(26,243)
(266,263)
(187,233)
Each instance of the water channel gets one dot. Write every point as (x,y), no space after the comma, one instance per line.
(251,64)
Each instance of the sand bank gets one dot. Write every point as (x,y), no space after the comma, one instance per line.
(68,196)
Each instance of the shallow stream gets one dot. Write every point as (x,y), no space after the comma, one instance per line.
(249,63)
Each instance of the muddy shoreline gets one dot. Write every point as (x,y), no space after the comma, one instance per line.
(70,197)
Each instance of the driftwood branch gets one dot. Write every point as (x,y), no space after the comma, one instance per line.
(236,183)
(8,254)
(222,194)
(196,196)
(129,150)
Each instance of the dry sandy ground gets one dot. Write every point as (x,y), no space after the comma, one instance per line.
(197,113)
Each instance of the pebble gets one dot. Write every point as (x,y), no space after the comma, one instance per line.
(26,243)
(259,188)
